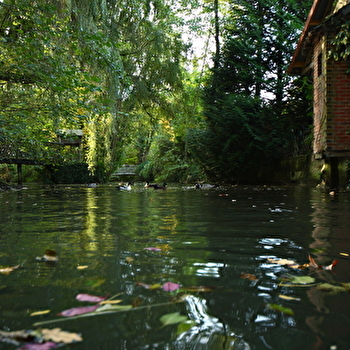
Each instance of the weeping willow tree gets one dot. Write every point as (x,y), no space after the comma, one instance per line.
(91,65)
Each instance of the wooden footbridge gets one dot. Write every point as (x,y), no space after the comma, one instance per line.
(33,153)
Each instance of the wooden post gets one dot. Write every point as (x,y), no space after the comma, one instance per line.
(19,174)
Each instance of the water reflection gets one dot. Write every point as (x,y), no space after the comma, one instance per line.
(204,238)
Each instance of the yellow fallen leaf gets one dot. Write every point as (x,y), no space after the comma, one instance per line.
(286,297)
(37,313)
(344,254)
(282,261)
(59,336)
(8,270)
(129,259)
(82,267)
(110,302)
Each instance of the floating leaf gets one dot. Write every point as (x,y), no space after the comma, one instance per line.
(129,259)
(90,298)
(287,297)
(172,318)
(39,346)
(78,310)
(59,336)
(346,285)
(21,335)
(8,270)
(110,302)
(170,286)
(82,267)
(302,280)
(95,283)
(155,286)
(185,326)
(280,308)
(313,263)
(344,254)
(331,288)
(144,285)
(289,263)
(38,313)
(153,249)
(248,276)
(198,289)
(109,307)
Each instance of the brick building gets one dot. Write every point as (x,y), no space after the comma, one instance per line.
(331,87)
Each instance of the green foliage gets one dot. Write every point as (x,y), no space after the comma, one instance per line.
(74,173)
(340,43)
(247,104)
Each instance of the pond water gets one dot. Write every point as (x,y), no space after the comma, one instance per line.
(215,244)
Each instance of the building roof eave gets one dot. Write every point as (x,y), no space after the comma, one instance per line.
(319,10)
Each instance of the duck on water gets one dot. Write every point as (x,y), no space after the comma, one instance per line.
(127,187)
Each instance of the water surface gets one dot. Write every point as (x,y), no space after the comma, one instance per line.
(205,239)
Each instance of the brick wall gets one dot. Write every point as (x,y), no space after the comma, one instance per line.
(331,103)
(338,109)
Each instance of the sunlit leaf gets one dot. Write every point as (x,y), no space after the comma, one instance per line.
(287,297)
(331,288)
(248,276)
(82,267)
(185,326)
(59,336)
(170,286)
(111,302)
(8,270)
(172,318)
(109,307)
(302,280)
(290,263)
(280,308)
(39,346)
(38,313)
(78,310)
(90,298)
(155,286)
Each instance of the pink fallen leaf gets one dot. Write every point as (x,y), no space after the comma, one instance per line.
(153,249)
(40,346)
(90,298)
(170,286)
(79,310)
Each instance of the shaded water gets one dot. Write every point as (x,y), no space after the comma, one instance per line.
(207,238)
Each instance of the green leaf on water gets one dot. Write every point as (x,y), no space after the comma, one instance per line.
(185,326)
(280,308)
(172,318)
(331,288)
(110,307)
(302,280)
